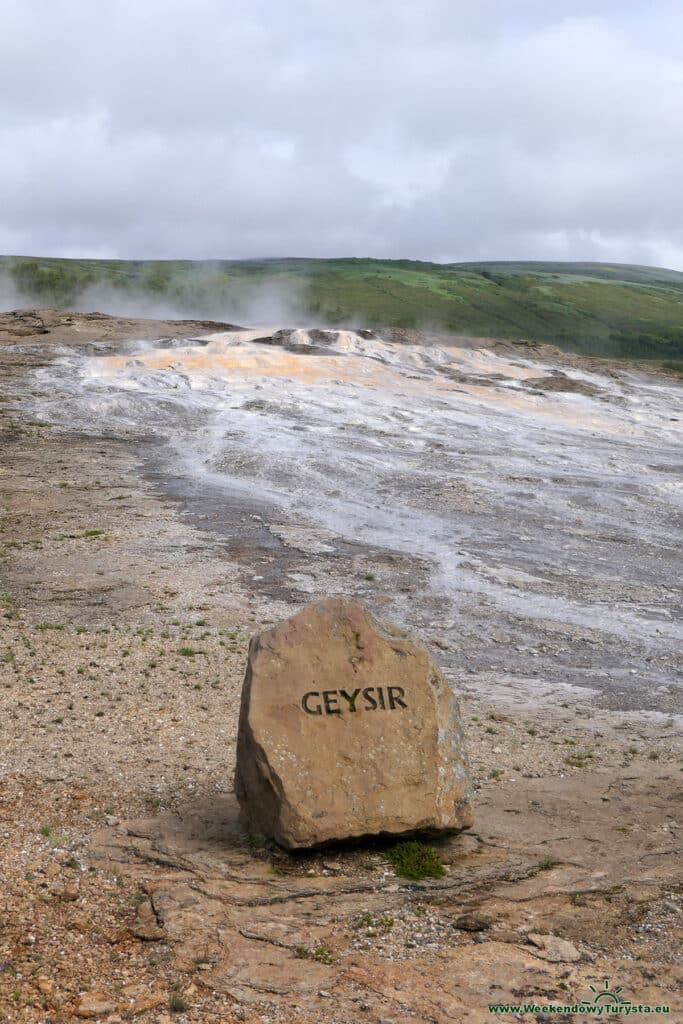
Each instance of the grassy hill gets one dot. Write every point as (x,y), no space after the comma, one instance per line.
(598,309)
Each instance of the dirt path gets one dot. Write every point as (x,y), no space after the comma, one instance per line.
(129,891)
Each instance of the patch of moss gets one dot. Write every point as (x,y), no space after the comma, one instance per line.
(415,860)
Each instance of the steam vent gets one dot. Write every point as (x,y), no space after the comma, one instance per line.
(347,729)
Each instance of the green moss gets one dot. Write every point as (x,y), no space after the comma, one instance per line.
(415,860)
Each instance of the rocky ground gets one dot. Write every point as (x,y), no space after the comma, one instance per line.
(129,891)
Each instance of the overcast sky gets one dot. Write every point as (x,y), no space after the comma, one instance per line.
(429,129)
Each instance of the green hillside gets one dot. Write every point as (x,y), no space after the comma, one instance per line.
(598,309)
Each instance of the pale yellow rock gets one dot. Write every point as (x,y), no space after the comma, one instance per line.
(347,729)
(552,948)
(94,1004)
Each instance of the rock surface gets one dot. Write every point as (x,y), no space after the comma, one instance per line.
(552,948)
(94,1004)
(346,729)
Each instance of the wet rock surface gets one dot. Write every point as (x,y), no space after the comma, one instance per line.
(347,729)
(541,501)
(130,584)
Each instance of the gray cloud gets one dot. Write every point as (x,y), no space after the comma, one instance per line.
(444,130)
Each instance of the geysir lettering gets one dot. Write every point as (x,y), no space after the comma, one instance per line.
(372,698)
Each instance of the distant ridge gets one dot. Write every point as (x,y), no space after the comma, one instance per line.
(602,309)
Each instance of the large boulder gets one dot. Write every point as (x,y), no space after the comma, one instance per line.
(347,729)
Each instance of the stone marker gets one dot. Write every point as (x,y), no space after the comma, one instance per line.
(346,729)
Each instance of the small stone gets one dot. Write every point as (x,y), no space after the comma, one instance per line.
(472,923)
(554,949)
(148,933)
(149,1001)
(147,927)
(94,1004)
(66,893)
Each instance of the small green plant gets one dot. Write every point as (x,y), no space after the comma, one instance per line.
(547,863)
(187,652)
(322,953)
(9,605)
(202,961)
(496,773)
(578,760)
(370,921)
(365,920)
(415,860)
(88,534)
(177,1003)
(256,841)
(46,831)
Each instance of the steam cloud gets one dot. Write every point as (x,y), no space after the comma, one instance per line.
(261,304)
